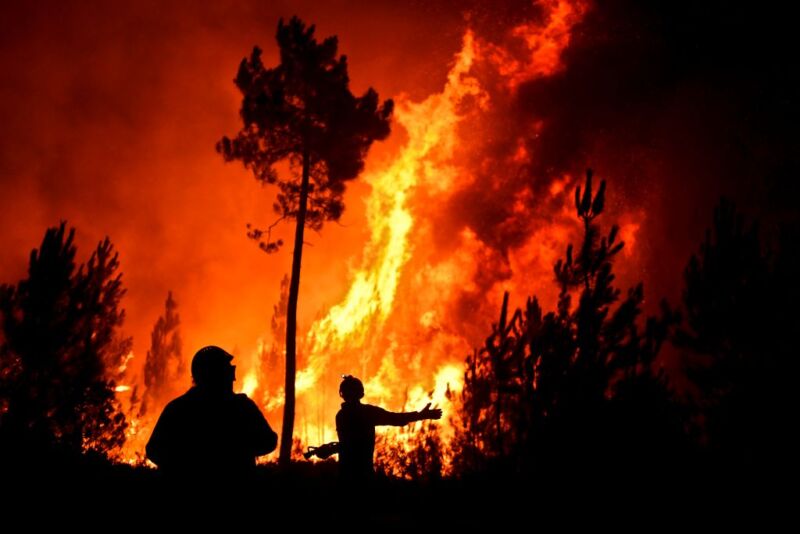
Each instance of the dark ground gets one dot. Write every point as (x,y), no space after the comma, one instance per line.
(91,494)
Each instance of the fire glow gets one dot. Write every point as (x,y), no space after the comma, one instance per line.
(416,307)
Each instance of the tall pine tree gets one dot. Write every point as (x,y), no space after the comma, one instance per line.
(552,390)
(302,112)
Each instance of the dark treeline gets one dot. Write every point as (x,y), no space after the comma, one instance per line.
(580,391)
(61,352)
(62,355)
(575,389)
(576,395)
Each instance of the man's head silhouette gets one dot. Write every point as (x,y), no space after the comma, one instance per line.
(351,388)
(212,369)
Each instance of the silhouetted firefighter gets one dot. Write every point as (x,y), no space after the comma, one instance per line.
(210,431)
(355,425)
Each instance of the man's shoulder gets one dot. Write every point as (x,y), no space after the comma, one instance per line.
(181,401)
(371,408)
(245,403)
(370,412)
(360,407)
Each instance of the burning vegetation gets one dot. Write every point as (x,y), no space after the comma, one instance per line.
(479,205)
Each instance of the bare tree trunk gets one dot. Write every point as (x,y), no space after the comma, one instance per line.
(285,457)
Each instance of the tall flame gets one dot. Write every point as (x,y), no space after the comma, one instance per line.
(395,326)
(431,127)
(354,336)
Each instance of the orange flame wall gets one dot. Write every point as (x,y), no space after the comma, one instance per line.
(447,216)
(416,305)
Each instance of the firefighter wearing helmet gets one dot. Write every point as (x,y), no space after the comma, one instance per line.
(355,426)
(210,432)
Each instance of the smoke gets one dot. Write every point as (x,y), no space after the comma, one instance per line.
(674,103)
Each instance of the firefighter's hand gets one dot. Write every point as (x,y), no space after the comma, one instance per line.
(427,413)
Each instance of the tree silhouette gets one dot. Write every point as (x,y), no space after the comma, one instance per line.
(270,355)
(163,365)
(417,456)
(302,112)
(63,348)
(558,388)
(740,302)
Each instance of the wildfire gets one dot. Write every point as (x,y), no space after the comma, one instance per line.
(388,328)
(543,41)
(546,42)
(399,327)
(627,233)
(250,382)
(431,126)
